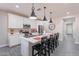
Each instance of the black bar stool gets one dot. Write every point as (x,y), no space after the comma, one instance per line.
(52,47)
(56,40)
(40,48)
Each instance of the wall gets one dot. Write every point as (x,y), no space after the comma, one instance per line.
(76,34)
(3,29)
(59,28)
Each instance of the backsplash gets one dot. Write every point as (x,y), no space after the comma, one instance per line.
(33,30)
(14,30)
(18,30)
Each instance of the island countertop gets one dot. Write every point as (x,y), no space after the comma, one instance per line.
(35,39)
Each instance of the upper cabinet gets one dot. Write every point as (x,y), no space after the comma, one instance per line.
(15,21)
(26,21)
(31,22)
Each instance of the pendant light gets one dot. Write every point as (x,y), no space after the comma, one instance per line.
(33,16)
(44,19)
(50,18)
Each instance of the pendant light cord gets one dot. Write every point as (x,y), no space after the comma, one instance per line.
(50,14)
(33,6)
(50,17)
(44,11)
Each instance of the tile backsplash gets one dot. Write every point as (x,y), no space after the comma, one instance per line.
(18,30)
(14,30)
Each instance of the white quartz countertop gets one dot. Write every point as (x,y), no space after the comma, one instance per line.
(32,39)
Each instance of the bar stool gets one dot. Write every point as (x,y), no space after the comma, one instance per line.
(40,48)
(56,40)
(52,45)
(47,47)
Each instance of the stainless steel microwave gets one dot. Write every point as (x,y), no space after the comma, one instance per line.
(26,26)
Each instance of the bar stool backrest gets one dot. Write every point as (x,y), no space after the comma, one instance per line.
(43,40)
(57,36)
(51,36)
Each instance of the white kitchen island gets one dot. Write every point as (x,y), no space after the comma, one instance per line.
(27,43)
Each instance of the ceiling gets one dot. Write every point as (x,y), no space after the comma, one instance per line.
(58,9)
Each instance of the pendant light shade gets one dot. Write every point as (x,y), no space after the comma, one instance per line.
(50,18)
(33,16)
(44,19)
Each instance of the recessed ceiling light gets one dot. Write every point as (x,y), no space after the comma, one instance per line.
(17,6)
(67,13)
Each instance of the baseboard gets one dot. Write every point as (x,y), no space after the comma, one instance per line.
(14,45)
(76,42)
(60,39)
(4,45)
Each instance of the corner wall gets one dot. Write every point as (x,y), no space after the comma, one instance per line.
(3,29)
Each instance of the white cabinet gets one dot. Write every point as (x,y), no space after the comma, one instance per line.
(15,21)
(32,22)
(14,39)
(26,21)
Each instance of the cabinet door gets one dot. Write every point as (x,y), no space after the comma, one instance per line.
(19,21)
(27,21)
(33,24)
(13,40)
(15,21)
(11,21)
(30,22)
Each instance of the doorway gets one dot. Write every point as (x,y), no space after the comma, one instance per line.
(68,26)
(69,29)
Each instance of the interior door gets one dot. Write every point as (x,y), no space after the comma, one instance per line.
(69,29)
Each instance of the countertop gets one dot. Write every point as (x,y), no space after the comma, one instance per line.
(33,40)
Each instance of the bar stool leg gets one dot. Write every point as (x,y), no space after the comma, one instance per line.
(51,50)
(45,52)
(32,51)
(48,52)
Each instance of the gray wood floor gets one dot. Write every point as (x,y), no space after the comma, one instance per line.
(66,48)
(14,51)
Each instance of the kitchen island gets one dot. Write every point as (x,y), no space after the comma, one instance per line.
(27,43)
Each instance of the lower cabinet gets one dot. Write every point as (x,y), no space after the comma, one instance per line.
(14,40)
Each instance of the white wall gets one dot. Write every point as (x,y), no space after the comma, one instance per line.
(59,27)
(3,29)
(76,32)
